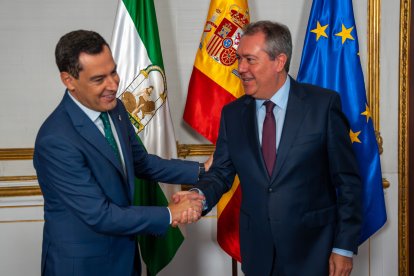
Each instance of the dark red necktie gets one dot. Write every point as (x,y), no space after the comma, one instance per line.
(269,137)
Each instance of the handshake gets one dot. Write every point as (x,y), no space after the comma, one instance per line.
(185,207)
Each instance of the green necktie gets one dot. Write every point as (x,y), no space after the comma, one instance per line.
(108,134)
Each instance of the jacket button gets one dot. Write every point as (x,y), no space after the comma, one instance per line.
(270,190)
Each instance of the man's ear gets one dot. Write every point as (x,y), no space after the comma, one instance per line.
(280,65)
(67,80)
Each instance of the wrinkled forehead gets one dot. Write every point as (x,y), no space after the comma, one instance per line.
(251,44)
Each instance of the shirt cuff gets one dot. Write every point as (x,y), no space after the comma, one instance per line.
(169,212)
(343,252)
(204,202)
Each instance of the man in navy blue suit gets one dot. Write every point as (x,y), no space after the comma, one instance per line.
(86,158)
(289,144)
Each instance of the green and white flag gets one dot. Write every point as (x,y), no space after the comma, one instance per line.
(143,90)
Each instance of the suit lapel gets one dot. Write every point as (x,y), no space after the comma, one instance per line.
(295,112)
(88,130)
(119,122)
(251,131)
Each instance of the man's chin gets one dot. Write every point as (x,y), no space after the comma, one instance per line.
(109,105)
(249,92)
(113,104)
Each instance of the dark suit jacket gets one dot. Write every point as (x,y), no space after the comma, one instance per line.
(310,204)
(89,221)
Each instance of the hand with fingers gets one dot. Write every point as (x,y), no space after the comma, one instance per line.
(340,265)
(190,199)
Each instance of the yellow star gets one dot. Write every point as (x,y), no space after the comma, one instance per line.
(354,136)
(367,112)
(320,30)
(345,33)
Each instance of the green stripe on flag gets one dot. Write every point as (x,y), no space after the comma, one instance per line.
(143,14)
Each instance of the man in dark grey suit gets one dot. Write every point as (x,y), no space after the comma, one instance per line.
(86,158)
(289,144)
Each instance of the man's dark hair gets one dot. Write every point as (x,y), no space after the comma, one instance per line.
(278,38)
(72,44)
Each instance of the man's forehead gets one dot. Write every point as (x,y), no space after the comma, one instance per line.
(251,49)
(104,56)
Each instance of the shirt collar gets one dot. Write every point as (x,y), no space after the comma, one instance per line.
(280,98)
(92,114)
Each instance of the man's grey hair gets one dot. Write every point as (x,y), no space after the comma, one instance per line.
(277,36)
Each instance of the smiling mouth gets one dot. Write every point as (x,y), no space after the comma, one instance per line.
(245,80)
(109,97)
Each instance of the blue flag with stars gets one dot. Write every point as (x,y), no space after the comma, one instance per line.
(330,59)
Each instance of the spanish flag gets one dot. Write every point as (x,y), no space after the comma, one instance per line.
(214,83)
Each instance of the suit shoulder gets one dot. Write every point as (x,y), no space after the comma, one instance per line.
(56,120)
(318,91)
(58,125)
(239,102)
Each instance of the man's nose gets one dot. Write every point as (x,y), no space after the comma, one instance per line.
(112,82)
(242,66)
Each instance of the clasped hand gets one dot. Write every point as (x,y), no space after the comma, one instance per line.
(185,207)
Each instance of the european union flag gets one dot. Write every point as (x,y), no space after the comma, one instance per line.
(330,59)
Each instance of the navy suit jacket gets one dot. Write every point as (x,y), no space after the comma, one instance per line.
(90,225)
(310,204)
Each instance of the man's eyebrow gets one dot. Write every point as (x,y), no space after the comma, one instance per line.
(96,77)
(102,76)
(246,56)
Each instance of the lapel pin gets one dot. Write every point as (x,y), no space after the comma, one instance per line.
(119,117)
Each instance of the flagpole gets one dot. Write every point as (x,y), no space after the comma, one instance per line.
(234,266)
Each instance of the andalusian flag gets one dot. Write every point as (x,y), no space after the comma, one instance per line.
(215,82)
(330,59)
(143,90)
